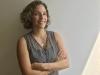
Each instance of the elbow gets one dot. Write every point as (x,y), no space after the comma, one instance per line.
(27,72)
(67,65)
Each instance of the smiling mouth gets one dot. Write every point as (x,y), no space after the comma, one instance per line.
(42,21)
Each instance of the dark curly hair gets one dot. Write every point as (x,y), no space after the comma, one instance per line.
(26,14)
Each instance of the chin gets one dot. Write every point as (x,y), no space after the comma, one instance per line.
(42,26)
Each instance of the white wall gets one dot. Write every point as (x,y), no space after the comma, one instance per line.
(92,66)
(76,20)
(99,14)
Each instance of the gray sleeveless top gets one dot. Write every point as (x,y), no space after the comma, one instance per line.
(40,54)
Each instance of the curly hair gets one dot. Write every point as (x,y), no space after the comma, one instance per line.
(26,14)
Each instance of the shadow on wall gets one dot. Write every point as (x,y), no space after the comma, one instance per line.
(10,30)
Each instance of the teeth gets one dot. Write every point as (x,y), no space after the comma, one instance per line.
(42,21)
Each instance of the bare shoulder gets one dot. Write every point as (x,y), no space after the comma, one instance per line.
(21,43)
(57,36)
(21,40)
(57,33)
(59,40)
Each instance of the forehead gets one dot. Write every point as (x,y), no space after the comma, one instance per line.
(40,8)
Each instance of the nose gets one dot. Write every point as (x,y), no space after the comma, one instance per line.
(41,16)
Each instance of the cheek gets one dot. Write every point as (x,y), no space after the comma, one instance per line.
(35,19)
(46,18)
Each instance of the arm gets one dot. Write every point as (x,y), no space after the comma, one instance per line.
(62,59)
(24,61)
(58,65)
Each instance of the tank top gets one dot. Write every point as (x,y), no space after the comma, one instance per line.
(40,54)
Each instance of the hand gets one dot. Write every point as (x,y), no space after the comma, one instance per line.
(40,66)
(37,66)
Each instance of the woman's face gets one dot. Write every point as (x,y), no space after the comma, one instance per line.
(39,17)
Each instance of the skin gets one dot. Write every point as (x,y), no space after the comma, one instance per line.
(40,20)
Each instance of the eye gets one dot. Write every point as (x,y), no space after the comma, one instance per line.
(35,13)
(45,13)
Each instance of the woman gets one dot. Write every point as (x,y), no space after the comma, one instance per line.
(40,52)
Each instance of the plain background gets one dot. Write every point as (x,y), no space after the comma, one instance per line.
(78,21)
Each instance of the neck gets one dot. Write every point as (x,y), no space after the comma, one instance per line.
(39,32)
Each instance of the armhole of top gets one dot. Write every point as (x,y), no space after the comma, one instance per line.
(57,45)
(27,42)
(25,37)
(52,36)
(53,33)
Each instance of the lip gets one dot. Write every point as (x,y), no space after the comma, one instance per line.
(42,21)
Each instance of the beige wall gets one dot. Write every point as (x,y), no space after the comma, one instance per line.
(10,29)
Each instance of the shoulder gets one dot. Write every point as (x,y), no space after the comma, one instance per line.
(21,46)
(55,33)
(22,38)
(57,36)
(21,41)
